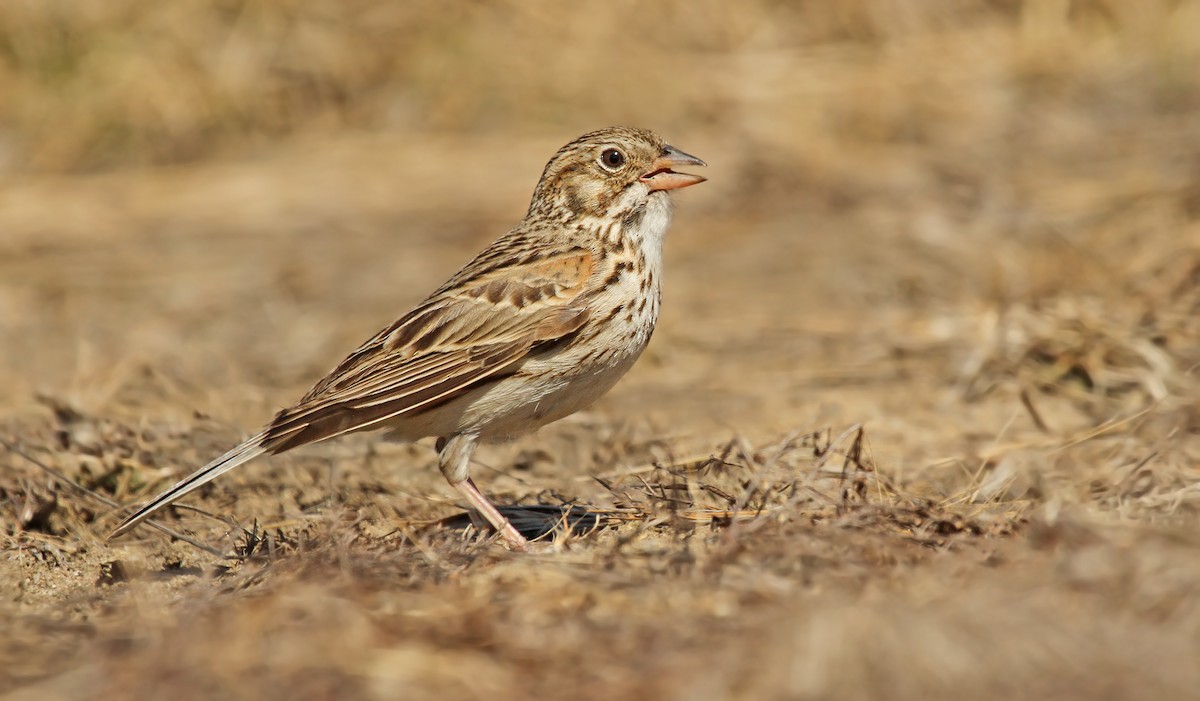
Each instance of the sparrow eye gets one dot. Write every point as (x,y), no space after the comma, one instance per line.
(612,159)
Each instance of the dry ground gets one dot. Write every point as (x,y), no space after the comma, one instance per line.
(920,419)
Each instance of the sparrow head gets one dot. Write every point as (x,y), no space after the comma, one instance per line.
(607,172)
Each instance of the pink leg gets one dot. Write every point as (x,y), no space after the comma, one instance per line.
(454,457)
(486,509)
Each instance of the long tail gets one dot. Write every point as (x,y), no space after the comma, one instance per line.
(248,450)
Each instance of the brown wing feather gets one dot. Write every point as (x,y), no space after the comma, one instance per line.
(464,334)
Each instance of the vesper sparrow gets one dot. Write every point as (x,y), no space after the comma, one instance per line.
(536,327)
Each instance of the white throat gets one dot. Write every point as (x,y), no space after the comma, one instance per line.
(653,228)
(647,230)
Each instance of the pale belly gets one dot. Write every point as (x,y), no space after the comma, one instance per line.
(516,405)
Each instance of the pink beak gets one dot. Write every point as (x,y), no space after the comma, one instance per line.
(663,177)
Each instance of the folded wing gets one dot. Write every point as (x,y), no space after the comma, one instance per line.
(489,317)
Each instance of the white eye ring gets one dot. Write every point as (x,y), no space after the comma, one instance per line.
(612,159)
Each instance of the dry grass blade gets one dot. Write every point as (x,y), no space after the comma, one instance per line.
(110,503)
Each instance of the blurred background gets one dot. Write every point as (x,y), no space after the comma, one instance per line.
(219,169)
(972,226)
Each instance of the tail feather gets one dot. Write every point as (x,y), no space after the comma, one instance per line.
(247,451)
